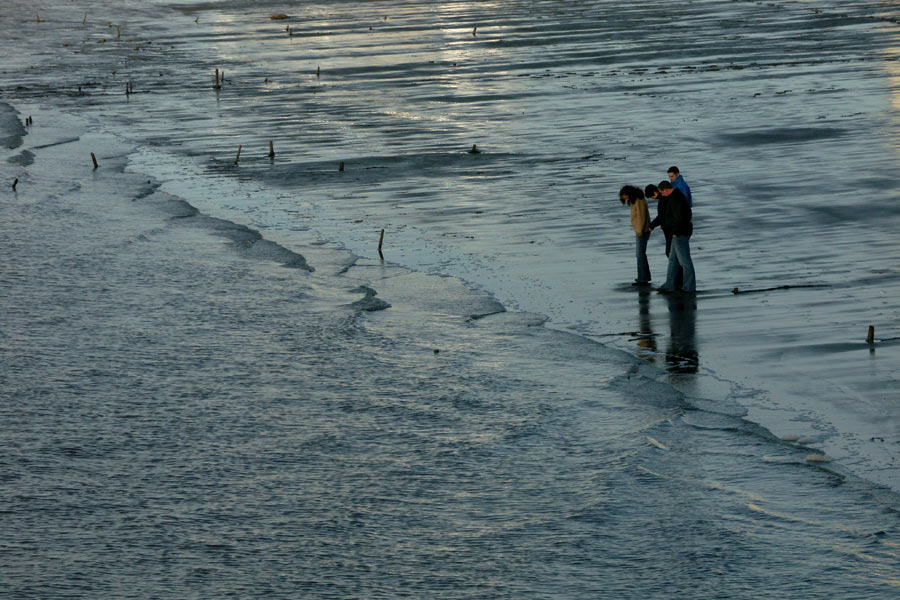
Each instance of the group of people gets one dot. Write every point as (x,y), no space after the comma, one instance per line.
(674,216)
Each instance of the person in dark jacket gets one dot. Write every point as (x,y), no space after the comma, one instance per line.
(678,222)
(651,191)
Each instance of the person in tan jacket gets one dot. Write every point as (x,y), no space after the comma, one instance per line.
(640,221)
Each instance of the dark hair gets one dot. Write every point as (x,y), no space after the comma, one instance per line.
(650,190)
(632,192)
(664,185)
(674,169)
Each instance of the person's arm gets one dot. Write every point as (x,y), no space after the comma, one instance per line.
(660,214)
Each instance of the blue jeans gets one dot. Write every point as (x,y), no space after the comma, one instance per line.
(680,260)
(643,265)
(679,277)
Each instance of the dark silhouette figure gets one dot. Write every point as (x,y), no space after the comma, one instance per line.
(681,354)
(645,338)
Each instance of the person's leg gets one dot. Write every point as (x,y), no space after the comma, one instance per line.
(681,248)
(672,272)
(643,266)
(679,277)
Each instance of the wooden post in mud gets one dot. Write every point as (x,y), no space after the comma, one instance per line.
(84,20)
(271,149)
(318,71)
(118,33)
(871,337)
(15,183)
(94,158)
(238,157)
(341,166)
(217,86)
(380,242)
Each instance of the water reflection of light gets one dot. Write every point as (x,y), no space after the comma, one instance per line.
(892,66)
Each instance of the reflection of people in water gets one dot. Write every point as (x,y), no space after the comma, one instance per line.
(646,339)
(682,355)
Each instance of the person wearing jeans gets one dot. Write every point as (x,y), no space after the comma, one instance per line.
(678,222)
(652,192)
(640,221)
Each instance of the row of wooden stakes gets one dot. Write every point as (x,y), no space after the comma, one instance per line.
(220,77)
(37,18)
(237,157)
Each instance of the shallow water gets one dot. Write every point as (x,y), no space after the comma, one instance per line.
(188,416)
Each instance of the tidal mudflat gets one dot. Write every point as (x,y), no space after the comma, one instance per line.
(213,386)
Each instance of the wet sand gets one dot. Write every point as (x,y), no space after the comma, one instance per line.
(783,119)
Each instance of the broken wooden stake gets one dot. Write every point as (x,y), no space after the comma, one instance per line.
(318,72)
(380,243)
(118,33)
(217,86)
(94,158)
(271,149)
(15,183)
(341,166)
(84,20)
(238,157)
(871,337)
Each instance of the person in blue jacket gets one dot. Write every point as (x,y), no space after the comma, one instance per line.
(679,183)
